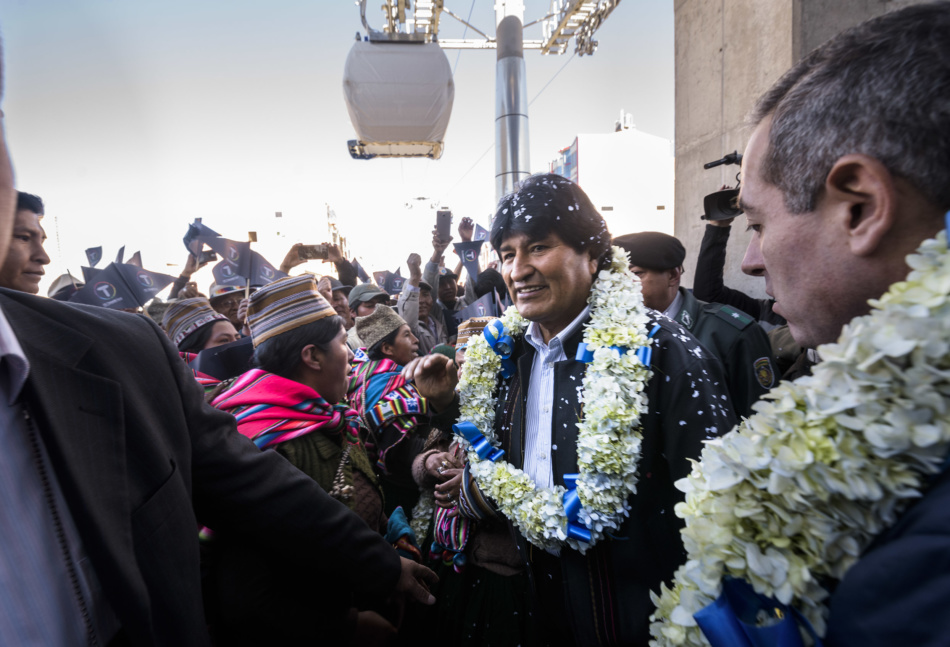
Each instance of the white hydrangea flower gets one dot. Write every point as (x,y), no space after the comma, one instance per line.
(828,462)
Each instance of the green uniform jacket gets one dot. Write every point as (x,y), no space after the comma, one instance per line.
(739,343)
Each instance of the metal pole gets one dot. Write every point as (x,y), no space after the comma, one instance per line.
(511,99)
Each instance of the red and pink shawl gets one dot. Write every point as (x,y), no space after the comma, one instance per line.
(270,409)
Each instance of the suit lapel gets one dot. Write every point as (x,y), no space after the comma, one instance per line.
(525,360)
(568,379)
(80,418)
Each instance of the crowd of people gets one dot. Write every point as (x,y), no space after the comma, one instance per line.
(510,459)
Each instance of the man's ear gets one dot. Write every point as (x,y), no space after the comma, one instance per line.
(861,191)
(674,275)
(310,357)
(593,264)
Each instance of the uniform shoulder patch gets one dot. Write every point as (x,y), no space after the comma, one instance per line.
(735,317)
(764,372)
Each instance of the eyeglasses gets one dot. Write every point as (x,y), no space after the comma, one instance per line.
(230,302)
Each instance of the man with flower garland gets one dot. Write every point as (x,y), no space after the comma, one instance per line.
(553,245)
(845,174)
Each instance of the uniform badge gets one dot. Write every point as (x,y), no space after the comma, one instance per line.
(764,373)
(685,319)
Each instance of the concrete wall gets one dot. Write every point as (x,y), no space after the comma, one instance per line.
(728,52)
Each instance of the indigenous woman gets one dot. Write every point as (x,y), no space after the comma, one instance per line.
(193,326)
(393,412)
(291,404)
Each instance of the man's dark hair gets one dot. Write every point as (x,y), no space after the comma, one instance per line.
(280,355)
(376,352)
(550,204)
(488,281)
(881,89)
(29,202)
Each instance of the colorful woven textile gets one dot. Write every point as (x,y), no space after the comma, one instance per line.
(185,317)
(382,397)
(285,304)
(207,382)
(270,409)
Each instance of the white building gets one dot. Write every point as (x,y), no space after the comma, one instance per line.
(628,175)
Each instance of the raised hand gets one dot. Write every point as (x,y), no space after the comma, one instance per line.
(435,378)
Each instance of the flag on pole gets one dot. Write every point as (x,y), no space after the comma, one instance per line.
(468,252)
(94,255)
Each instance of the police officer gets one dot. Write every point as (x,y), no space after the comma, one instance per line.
(731,335)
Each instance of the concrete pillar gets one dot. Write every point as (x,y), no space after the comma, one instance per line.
(727,53)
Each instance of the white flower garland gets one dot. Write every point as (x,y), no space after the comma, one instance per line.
(608,440)
(797,491)
(422,516)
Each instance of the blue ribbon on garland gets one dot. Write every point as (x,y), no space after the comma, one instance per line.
(740,617)
(479,443)
(572,508)
(502,344)
(644,353)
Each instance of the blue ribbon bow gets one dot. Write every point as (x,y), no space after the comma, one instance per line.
(479,443)
(644,353)
(572,508)
(503,345)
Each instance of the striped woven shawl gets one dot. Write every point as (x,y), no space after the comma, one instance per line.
(270,409)
(382,397)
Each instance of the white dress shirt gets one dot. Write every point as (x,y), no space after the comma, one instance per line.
(675,307)
(540,405)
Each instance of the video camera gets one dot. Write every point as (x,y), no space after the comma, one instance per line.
(723,205)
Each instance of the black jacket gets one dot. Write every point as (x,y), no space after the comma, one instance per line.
(739,343)
(898,591)
(708,285)
(138,453)
(608,589)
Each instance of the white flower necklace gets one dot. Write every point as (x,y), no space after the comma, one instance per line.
(608,439)
(422,516)
(796,492)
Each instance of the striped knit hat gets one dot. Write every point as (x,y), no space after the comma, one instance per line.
(471,328)
(186,316)
(285,304)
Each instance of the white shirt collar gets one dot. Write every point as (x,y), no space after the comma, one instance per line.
(675,307)
(534,337)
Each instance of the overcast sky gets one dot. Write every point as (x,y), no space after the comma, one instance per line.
(130,119)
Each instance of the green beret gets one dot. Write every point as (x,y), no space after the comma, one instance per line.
(652,250)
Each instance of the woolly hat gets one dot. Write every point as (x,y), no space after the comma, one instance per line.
(471,328)
(373,328)
(652,250)
(285,304)
(185,317)
(443,349)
